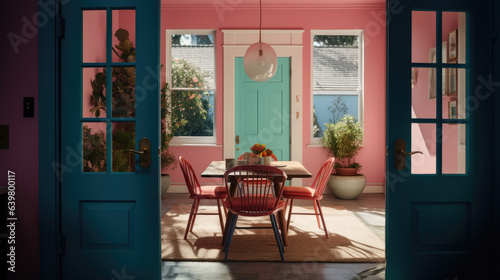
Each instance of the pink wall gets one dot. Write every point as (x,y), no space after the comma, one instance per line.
(372,155)
(19,79)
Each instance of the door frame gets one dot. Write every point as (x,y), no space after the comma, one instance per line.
(49,124)
(286,43)
(496,133)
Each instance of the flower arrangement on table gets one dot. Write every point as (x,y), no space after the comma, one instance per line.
(260,150)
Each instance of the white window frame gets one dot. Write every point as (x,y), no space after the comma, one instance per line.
(192,140)
(318,141)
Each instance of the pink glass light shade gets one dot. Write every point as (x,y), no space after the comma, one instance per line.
(260,62)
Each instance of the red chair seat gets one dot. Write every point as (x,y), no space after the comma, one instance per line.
(215,192)
(298,191)
(314,193)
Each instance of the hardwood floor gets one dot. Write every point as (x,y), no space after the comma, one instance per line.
(369,208)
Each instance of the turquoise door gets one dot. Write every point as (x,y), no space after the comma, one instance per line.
(262,110)
(110,214)
(439,201)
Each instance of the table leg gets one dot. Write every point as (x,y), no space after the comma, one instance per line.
(227,226)
(281,217)
(232,192)
(284,229)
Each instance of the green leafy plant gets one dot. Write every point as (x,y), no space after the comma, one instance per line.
(123,140)
(94,150)
(123,81)
(167,158)
(190,108)
(343,140)
(338,108)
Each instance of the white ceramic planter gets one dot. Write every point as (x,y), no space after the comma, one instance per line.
(164,183)
(347,187)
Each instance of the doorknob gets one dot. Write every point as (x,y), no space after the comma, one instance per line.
(400,154)
(237,139)
(144,153)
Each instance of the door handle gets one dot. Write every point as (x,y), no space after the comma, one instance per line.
(400,154)
(237,139)
(410,153)
(144,153)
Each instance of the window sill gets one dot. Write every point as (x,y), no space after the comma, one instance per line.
(314,146)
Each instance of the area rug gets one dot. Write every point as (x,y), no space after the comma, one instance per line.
(349,239)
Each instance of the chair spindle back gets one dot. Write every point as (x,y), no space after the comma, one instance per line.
(189,176)
(255,188)
(323,176)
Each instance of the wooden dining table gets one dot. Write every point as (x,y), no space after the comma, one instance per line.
(292,169)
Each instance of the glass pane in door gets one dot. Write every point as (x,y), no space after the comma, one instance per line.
(454,35)
(94,36)
(423,93)
(93,92)
(123,92)
(423,36)
(454,148)
(123,142)
(455,93)
(94,146)
(423,138)
(123,29)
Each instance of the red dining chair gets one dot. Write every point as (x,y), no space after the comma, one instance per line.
(198,192)
(253,189)
(314,193)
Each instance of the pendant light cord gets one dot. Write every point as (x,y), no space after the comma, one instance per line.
(260,26)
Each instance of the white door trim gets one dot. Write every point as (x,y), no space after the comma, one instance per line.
(293,49)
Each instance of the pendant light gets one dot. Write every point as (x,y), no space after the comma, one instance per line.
(260,60)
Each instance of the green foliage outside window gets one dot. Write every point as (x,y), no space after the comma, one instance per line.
(190,107)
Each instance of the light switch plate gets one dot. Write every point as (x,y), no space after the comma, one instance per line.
(4,136)
(29,107)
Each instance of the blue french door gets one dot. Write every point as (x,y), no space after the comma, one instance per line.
(439,175)
(110,213)
(262,110)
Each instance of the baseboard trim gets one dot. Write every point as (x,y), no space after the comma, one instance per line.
(177,188)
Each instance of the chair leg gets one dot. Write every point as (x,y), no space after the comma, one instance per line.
(225,209)
(232,226)
(316,212)
(277,236)
(190,219)
(289,214)
(322,218)
(220,217)
(195,213)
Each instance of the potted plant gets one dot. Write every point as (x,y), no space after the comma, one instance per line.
(167,158)
(343,141)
